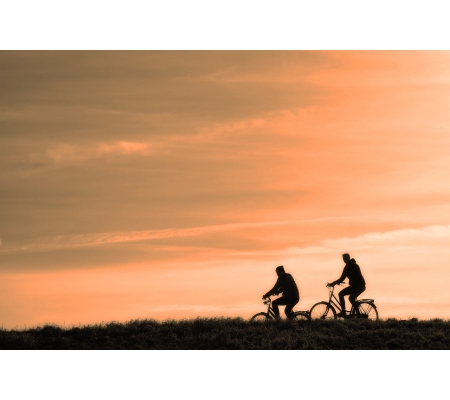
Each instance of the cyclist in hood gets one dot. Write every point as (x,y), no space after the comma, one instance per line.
(356,282)
(285,284)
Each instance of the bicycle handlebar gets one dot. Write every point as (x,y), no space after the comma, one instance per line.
(328,285)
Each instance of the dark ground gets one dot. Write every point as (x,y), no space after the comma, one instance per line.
(237,334)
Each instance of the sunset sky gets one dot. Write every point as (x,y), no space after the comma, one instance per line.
(170,184)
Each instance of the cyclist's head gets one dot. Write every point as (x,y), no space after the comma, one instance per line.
(346,257)
(280,270)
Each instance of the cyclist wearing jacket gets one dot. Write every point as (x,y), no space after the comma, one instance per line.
(285,284)
(356,282)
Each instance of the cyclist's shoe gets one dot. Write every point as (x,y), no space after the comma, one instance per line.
(342,315)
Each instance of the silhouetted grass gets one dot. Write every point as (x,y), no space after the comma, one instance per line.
(236,333)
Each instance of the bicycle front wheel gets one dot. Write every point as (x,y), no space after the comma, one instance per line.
(367,310)
(262,316)
(322,310)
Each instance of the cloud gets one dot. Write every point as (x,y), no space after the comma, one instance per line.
(68,153)
(433,235)
(71,241)
(123,148)
(427,236)
(98,239)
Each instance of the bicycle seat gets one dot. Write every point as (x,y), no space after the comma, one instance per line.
(369,300)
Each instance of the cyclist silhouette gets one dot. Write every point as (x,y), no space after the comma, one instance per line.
(285,284)
(356,282)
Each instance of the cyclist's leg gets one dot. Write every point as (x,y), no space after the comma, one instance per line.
(278,302)
(290,304)
(355,293)
(344,292)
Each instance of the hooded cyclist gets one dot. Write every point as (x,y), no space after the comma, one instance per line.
(285,284)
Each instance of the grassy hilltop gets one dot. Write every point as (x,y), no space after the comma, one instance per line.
(236,334)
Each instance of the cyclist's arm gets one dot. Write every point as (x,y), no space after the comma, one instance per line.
(340,280)
(275,290)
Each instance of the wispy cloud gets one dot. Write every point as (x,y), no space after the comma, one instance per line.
(69,153)
(123,147)
(95,239)
(435,235)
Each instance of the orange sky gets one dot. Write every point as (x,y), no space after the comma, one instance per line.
(170,184)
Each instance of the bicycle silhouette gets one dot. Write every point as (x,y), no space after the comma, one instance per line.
(270,315)
(366,308)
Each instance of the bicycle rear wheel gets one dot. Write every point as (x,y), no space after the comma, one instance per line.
(301,316)
(367,310)
(322,310)
(262,316)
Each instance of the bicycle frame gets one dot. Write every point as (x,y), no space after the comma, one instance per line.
(333,300)
(270,311)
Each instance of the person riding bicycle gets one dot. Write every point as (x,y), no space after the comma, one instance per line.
(356,282)
(285,284)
